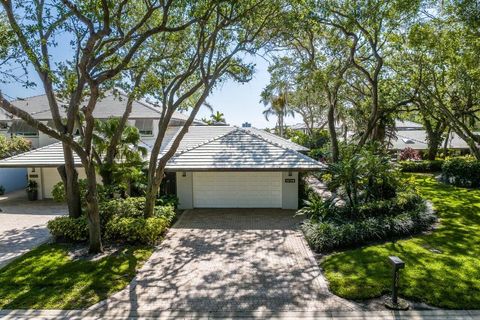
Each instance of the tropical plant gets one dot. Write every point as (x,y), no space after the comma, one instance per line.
(12,146)
(410,154)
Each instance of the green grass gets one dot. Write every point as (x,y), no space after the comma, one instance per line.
(442,267)
(46,278)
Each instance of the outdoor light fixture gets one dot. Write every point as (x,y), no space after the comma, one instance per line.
(184,174)
(33,169)
(289,173)
(394,302)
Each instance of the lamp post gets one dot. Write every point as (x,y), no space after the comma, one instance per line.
(394,302)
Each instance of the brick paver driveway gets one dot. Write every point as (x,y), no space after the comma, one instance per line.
(23,224)
(229,260)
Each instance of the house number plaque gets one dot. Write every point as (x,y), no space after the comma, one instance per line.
(289,180)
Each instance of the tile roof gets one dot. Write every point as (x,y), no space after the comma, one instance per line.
(203,147)
(112,105)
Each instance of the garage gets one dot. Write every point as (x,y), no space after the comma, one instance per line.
(237,189)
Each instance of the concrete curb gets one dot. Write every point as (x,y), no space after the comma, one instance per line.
(172,314)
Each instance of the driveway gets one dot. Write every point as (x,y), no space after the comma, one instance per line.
(23,224)
(231,261)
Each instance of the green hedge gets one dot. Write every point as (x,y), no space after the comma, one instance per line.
(462,172)
(326,236)
(120,220)
(424,166)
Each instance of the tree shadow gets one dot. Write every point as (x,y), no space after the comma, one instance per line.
(229,261)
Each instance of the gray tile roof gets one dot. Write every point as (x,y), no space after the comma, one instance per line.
(112,105)
(417,139)
(203,147)
(241,149)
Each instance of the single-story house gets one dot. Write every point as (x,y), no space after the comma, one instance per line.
(214,166)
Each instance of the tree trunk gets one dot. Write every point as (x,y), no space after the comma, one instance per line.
(95,241)
(70,181)
(333,132)
(151,196)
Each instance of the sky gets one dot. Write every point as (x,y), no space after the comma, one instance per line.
(238,102)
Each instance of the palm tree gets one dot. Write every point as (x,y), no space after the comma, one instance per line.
(218,117)
(277,106)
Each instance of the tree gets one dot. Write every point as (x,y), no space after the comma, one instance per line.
(106,35)
(127,167)
(205,54)
(13,146)
(218,117)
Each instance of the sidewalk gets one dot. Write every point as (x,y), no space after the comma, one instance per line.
(350,315)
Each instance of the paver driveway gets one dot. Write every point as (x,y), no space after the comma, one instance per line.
(23,224)
(229,260)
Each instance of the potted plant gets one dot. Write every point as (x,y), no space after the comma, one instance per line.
(32,190)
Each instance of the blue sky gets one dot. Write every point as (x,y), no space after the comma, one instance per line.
(239,102)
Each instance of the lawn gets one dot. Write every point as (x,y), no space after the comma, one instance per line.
(47,278)
(442,267)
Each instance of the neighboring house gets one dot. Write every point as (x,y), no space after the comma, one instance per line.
(214,166)
(144,116)
(413,135)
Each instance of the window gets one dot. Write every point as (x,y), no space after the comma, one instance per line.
(144,126)
(20,127)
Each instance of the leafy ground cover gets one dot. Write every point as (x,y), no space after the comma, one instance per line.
(442,267)
(48,278)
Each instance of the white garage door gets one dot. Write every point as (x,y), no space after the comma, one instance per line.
(237,189)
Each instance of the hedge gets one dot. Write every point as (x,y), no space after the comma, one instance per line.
(462,172)
(423,166)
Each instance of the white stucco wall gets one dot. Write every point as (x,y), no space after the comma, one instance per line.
(47,178)
(185,190)
(290,190)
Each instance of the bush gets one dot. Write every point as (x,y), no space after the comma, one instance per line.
(136,230)
(410,154)
(2,190)
(120,220)
(69,229)
(329,235)
(462,172)
(424,166)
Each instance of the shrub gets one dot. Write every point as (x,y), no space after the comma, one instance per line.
(329,235)
(136,230)
(2,190)
(424,166)
(462,172)
(410,154)
(167,200)
(120,220)
(69,229)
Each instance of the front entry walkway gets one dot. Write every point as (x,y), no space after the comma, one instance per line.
(229,261)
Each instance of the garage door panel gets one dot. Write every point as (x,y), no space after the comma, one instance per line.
(237,189)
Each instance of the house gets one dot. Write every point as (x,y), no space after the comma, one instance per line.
(413,135)
(214,166)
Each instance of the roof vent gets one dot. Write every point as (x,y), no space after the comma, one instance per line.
(408,141)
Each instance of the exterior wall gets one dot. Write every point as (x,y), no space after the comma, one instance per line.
(290,190)
(49,177)
(13,179)
(185,190)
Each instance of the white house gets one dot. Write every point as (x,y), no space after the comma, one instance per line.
(215,166)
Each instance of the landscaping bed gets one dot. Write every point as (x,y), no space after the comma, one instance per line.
(442,267)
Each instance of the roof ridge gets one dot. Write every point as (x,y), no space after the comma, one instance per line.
(278,145)
(205,142)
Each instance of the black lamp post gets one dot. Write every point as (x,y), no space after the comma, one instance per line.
(394,302)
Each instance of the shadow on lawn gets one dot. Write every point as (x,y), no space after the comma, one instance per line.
(45,278)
